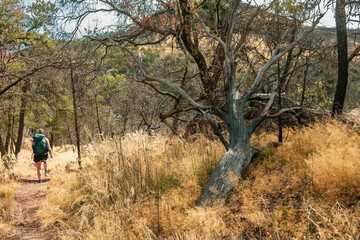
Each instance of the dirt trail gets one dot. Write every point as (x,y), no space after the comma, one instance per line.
(28,199)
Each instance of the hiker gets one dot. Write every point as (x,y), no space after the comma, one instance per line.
(41,147)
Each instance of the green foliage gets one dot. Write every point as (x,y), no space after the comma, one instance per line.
(19,27)
(54,126)
(205,170)
(265,154)
(151,59)
(162,181)
(41,14)
(213,10)
(117,62)
(315,95)
(301,9)
(11,21)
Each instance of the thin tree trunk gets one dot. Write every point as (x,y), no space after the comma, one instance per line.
(12,141)
(280,135)
(98,117)
(52,139)
(304,86)
(282,83)
(343,63)
(175,124)
(76,123)
(280,125)
(70,138)
(21,119)
(9,129)
(2,147)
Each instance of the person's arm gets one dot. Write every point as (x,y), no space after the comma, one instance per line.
(49,147)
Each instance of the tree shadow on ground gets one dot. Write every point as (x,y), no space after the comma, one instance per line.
(27,180)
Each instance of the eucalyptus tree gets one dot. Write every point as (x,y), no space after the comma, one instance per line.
(214,35)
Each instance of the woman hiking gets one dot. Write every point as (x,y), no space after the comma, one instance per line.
(41,147)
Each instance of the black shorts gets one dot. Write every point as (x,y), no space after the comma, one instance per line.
(38,157)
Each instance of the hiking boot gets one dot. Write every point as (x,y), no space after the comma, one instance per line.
(40,181)
(46,173)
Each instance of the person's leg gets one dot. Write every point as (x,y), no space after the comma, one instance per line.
(38,168)
(45,168)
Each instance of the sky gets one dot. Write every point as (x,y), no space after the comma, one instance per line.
(104,19)
(328,20)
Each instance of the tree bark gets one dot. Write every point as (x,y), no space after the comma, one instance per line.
(98,118)
(52,140)
(21,119)
(76,123)
(9,129)
(343,62)
(2,147)
(232,165)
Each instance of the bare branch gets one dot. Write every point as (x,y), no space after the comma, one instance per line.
(2,91)
(276,56)
(354,53)
(159,91)
(284,110)
(216,130)
(167,83)
(209,34)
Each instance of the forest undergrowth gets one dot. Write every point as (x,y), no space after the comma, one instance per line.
(146,187)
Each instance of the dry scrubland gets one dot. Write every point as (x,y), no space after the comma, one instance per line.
(144,186)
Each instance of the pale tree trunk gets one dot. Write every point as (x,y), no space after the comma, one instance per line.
(238,156)
(232,165)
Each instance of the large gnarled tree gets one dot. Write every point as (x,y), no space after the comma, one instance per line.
(227,27)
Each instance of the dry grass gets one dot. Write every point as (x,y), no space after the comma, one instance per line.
(141,186)
(8,214)
(133,187)
(306,189)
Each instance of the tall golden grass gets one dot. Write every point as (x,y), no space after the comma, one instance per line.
(135,187)
(308,188)
(146,187)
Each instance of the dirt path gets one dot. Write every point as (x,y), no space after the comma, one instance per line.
(28,199)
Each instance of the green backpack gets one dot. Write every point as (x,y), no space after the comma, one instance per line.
(40,146)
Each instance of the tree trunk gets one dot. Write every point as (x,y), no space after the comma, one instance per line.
(343,63)
(70,138)
(2,147)
(76,123)
(52,140)
(9,129)
(98,118)
(230,167)
(21,119)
